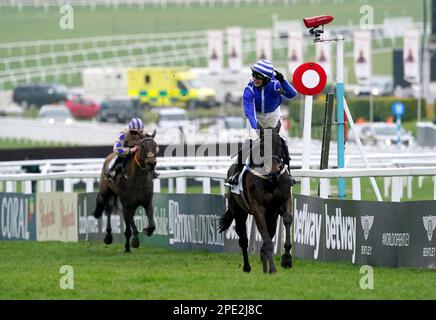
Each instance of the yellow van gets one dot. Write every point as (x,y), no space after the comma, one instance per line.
(164,86)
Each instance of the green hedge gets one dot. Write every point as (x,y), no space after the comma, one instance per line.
(359,108)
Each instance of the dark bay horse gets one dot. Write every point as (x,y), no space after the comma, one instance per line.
(133,187)
(266,195)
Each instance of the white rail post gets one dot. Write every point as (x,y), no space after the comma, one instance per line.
(156,185)
(409,187)
(40,186)
(420,181)
(396,189)
(434,188)
(206,186)
(324,186)
(386,186)
(180,185)
(222,187)
(67,185)
(9,186)
(402,184)
(170,185)
(27,187)
(356,192)
(305,182)
(89,184)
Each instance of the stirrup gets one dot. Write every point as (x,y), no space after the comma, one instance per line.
(292,178)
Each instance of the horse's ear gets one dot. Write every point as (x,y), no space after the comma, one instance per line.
(152,135)
(277,128)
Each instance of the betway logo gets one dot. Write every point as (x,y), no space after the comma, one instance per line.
(340,232)
(307,227)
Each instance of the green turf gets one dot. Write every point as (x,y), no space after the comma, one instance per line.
(6,143)
(31,270)
(35,23)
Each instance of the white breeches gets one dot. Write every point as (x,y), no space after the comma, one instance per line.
(266,120)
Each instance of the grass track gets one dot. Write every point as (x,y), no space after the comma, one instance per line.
(30,270)
(36,24)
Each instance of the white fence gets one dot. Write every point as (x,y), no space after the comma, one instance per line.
(52,59)
(396,179)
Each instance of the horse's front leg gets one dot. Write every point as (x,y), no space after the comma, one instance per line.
(127,213)
(150,217)
(135,239)
(287,221)
(266,251)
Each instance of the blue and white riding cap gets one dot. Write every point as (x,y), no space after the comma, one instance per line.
(136,124)
(264,67)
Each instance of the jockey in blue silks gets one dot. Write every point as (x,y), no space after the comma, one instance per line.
(261,102)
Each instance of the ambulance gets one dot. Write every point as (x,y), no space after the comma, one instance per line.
(165,87)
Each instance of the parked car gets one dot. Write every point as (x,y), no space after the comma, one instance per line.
(82,108)
(55,114)
(381,134)
(39,94)
(171,117)
(380,86)
(119,109)
(229,123)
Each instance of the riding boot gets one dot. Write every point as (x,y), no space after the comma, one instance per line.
(113,172)
(234,178)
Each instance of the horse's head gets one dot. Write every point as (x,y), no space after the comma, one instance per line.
(271,149)
(147,151)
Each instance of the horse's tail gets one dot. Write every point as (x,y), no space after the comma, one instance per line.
(226,220)
(107,206)
(99,207)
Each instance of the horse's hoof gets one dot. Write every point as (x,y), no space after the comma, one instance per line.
(135,242)
(149,231)
(127,251)
(108,239)
(286,262)
(247,269)
(272,270)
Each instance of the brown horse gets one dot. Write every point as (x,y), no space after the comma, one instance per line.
(134,188)
(266,195)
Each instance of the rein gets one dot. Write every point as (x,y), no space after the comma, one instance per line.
(137,159)
(267,176)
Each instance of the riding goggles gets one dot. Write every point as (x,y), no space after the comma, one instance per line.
(258,76)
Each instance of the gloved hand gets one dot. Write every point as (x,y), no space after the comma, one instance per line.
(279,76)
(133,149)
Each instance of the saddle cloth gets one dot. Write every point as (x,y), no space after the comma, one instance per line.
(237,189)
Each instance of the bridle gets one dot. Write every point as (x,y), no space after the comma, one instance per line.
(136,157)
(268,176)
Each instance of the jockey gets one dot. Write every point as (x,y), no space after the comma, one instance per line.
(126,145)
(261,102)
